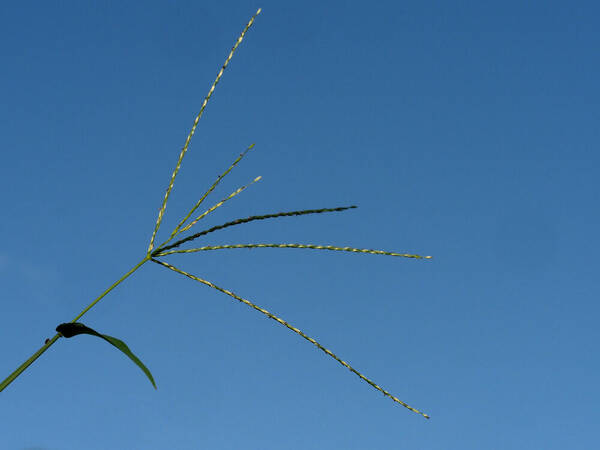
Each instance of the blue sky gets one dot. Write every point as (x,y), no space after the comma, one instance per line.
(463,130)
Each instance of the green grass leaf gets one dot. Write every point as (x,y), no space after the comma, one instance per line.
(71,329)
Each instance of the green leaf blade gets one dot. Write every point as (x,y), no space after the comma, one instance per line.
(69,330)
(125,349)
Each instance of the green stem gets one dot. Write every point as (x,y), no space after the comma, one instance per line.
(27,363)
(114,285)
(47,345)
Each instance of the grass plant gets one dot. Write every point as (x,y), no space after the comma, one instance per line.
(154,254)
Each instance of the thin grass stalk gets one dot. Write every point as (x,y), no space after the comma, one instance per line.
(295,330)
(47,345)
(303,246)
(217,205)
(246,220)
(27,363)
(214,185)
(193,130)
(114,285)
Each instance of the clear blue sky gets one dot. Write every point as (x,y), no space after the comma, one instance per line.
(463,130)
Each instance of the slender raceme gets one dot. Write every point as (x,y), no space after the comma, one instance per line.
(302,246)
(294,329)
(217,205)
(246,220)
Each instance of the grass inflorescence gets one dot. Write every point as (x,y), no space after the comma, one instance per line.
(167,248)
